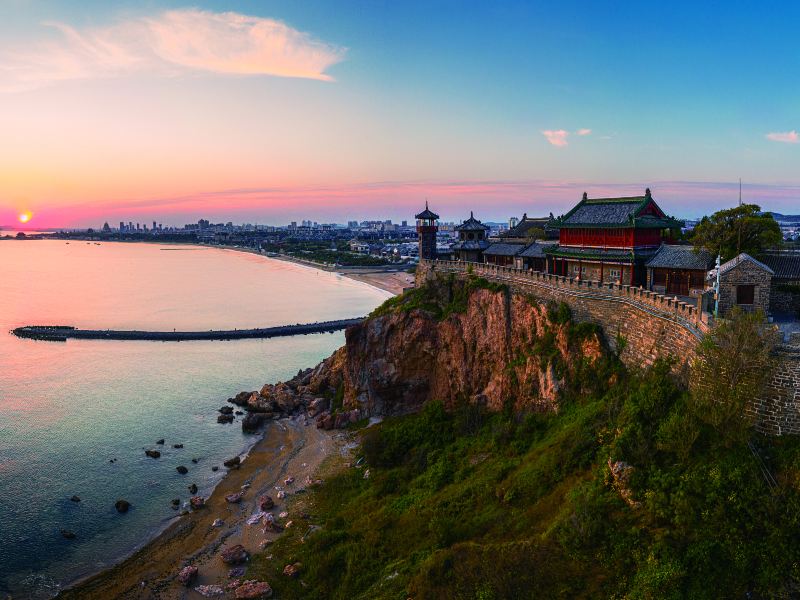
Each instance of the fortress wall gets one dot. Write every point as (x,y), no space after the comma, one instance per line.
(649,325)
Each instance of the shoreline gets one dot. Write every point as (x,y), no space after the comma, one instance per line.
(286,447)
(393,281)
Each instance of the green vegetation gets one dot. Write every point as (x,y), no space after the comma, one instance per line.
(445,296)
(735,230)
(472,505)
(323,252)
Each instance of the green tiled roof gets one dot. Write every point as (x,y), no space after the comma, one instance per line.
(616,212)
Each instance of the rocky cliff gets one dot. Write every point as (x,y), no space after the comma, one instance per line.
(453,341)
(501,349)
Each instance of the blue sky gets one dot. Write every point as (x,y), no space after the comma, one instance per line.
(455,96)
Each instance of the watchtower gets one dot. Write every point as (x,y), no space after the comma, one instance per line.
(426,233)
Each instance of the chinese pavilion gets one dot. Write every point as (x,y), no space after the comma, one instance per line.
(610,239)
(426,233)
(471,240)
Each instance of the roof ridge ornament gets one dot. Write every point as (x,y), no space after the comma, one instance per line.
(647,194)
(585,196)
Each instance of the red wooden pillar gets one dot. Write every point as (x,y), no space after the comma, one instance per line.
(631,273)
(601,271)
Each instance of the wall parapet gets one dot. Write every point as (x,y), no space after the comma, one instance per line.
(656,305)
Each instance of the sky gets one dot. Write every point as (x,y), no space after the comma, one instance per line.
(270,111)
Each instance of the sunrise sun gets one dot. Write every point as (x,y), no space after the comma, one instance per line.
(25,217)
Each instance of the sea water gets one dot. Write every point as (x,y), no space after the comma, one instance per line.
(75,417)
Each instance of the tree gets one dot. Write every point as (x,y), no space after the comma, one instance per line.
(535,233)
(735,230)
(733,364)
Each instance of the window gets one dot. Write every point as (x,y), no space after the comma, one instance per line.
(745,294)
(613,273)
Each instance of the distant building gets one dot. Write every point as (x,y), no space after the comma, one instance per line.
(610,239)
(472,240)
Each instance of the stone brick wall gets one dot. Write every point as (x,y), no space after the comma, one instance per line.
(651,325)
(745,273)
(777,412)
(785,301)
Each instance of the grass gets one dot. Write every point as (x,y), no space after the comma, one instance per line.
(478,506)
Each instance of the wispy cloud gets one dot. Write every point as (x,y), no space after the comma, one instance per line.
(787,137)
(557,137)
(168,44)
(584,132)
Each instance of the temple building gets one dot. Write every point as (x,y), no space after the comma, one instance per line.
(610,239)
(530,228)
(678,270)
(471,240)
(427,229)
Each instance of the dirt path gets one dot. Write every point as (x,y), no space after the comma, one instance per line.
(290,447)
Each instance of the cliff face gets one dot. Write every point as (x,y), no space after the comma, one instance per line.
(502,349)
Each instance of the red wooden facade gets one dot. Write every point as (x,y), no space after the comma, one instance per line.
(610,238)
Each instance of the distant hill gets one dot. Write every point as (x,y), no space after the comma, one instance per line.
(787,219)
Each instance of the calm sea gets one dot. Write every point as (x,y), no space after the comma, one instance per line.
(68,409)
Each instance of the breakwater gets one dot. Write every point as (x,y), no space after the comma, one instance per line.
(60,333)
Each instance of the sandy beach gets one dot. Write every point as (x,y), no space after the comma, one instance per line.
(393,281)
(289,448)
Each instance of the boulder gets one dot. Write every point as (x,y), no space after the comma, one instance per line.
(177,446)
(122,506)
(234,498)
(252,422)
(75,499)
(253,590)
(176,502)
(197,502)
(67,534)
(316,406)
(341,421)
(218,523)
(187,575)
(215,468)
(160,442)
(325,421)
(292,570)
(233,463)
(182,470)
(265,503)
(193,488)
(235,555)
(225,419)
(241,398)
(153,453)
(226,410)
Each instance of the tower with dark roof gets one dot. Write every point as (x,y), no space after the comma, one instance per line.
(426,233)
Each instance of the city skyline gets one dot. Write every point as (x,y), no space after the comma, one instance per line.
(273,111)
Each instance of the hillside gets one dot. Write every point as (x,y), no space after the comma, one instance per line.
(616,486)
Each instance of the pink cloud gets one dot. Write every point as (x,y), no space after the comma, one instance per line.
(584,132)
(171,43)
(556,137)
(787,137)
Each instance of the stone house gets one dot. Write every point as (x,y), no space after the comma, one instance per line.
(743,282)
